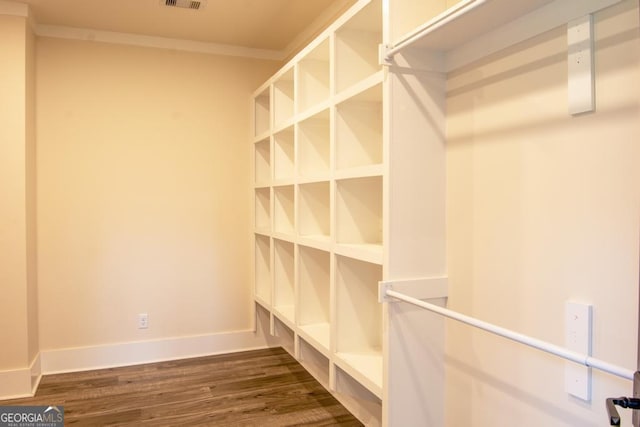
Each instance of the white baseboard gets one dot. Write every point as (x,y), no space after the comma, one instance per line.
(135,353)
(18,383)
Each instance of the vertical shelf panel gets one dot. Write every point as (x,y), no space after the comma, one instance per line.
(283,98)
(313,145)
(284,155)
(357,47)
(283,210)
(313,77)
(359,321)
(262,113)
(283,277)
(262,162)
(262,210)
(359,130)
(263,268)
(313,281)
(314,211)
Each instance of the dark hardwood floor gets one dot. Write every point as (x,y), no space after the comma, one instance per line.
(255,388)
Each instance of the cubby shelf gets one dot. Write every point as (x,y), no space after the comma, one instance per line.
(283,209)
(283,98)
(359,321)
(262,162)
(262,113)
(357,47)
(313,145)
(285,334)
(263,268)
(317,363)
(359,130)
(314,211)
(313,77)
(313,294)
(262,209)
(359,211)
(284,154)
(366,368)
(283,277)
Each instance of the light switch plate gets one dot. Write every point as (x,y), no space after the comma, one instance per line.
(578,319)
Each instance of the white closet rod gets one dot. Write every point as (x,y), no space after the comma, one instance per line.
(556,350)
(443,19)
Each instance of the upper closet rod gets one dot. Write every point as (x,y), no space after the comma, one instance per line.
(562,352)
(443,19)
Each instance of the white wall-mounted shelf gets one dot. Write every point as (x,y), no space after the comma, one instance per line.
(472,29)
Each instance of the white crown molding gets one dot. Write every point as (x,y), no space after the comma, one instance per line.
(13,8)
(72,33)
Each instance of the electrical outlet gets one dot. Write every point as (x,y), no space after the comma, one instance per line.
(143,321)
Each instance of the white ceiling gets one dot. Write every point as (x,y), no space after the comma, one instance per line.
(279,25)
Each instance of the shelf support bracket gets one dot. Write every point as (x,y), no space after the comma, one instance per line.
(423,288)
(383,57)
(581,84)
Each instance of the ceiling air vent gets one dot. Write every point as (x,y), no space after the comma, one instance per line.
(185,4)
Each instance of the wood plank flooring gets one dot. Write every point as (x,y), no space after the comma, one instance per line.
(255,388)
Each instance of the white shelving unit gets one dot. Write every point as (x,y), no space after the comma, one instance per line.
(319,188)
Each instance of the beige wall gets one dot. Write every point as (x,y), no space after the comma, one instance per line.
(143,201)
(17,242)
(542,208)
